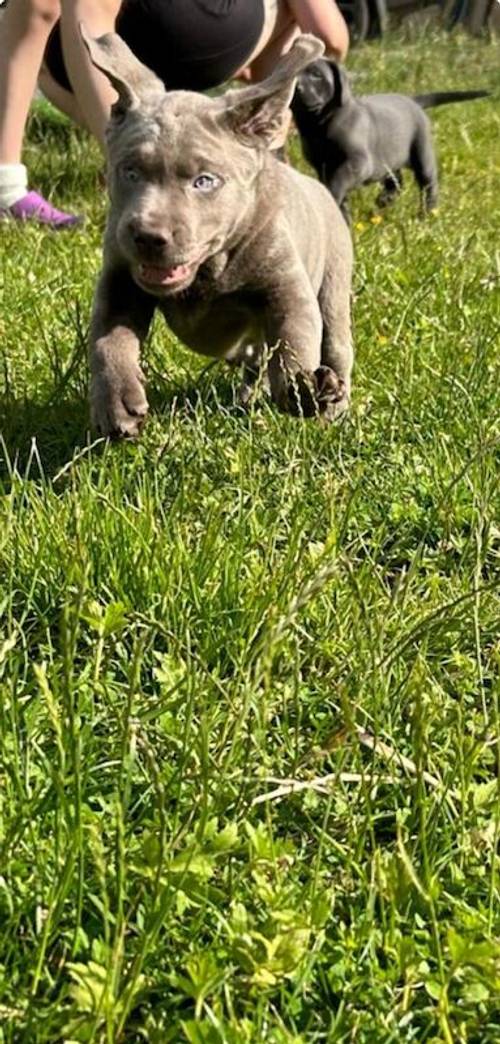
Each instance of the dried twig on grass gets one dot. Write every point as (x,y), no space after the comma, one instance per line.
(321,784)
(391,754)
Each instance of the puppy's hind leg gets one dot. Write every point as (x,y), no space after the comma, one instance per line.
(423,164)
(254,376)
(391,187)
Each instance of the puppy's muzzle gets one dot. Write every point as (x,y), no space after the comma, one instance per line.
(149,242)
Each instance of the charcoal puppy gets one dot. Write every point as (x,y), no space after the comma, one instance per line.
(353,141)
(240,253)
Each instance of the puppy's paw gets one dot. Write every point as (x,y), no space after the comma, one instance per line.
(319,394)
(331,393)
(251,388)
(246,395)
(118,403)
(301,395)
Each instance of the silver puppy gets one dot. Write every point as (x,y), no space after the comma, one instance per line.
(238,250)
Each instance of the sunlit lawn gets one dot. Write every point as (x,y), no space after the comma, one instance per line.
(195,625)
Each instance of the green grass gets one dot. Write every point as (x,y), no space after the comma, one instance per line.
(237,601)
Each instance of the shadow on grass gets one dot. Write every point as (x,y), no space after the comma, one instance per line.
(213,387)
(38,438)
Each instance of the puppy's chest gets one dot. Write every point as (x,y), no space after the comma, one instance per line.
(218,326)
(323,150)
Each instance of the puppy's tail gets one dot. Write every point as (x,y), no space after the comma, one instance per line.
(429,101)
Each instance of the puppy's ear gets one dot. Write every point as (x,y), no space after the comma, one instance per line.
(342,90)
(133,82)
(256,114)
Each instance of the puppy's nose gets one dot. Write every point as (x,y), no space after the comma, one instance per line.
(147,239)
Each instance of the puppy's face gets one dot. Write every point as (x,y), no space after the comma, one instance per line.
(184,168)
(179,184)
(322,83)
(316,85)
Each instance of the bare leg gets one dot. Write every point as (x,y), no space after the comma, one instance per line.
(283,21)
(278,33)
(25,29)
(278,45)
(94,93)
(62,99)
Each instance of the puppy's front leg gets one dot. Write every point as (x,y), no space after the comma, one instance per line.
(121,317)
(294,331)
(351,174)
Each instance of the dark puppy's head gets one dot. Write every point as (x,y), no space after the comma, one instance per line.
(183,167)
(322,83)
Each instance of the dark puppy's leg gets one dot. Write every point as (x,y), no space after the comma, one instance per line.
(350,175)
(391,187)
(120,321)
(423,164)
(345,210)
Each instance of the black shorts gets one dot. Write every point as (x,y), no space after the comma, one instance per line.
(190,44)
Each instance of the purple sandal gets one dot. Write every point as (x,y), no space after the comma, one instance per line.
(33,207)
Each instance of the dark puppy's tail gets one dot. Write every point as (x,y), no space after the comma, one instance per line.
(429,101)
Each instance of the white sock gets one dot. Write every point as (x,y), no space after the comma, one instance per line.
(13,183)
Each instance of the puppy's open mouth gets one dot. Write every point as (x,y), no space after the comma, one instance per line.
(162,277)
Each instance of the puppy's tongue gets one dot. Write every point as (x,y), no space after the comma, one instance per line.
(161,276)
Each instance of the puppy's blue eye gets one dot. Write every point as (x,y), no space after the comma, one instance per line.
(206,182)
(130,173)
